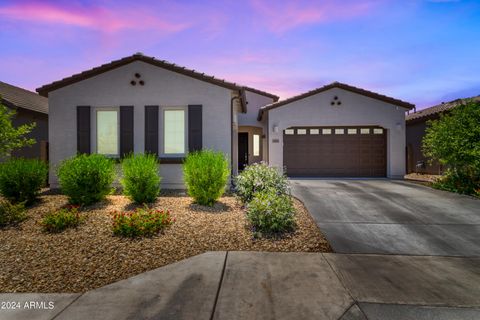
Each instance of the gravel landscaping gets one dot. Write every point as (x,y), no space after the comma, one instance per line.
(89,256)
(422,177)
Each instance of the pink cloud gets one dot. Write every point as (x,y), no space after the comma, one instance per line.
(98,18)
(281,16)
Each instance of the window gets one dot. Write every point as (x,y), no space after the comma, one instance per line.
(364,131)
(256,145)
(174,131)
(107,132)
(289,131)
(377,131)
(314,131)
(352,131)
(301,131)
(339,131)
(326,131)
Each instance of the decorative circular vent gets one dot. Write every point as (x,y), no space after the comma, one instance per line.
(335,101)
(136,77)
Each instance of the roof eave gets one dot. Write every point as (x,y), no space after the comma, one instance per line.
(44,90)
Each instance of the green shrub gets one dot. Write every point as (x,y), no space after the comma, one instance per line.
(141,182)
(454,141)
(22,179)
(57,221)
(258,177)
(459,181)
(11,213)
(271,213)
(206,174)
(86,179)
(141,222)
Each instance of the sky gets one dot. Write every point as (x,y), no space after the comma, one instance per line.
(421,51)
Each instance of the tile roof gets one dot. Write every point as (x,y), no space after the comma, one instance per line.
(44,90)
(431,111)
(22,98)
(340,85)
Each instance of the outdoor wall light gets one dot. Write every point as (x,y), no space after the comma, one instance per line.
(275,129)
(399,126)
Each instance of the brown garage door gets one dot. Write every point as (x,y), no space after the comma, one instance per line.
(335,152)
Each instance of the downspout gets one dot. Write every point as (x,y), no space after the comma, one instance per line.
(231,135)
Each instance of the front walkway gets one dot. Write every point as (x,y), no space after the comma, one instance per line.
(261,285)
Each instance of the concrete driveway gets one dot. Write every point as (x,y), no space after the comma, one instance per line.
(391,217)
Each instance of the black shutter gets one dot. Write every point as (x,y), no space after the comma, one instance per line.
(83,129)
(126,130)
(194,128)
(151,129)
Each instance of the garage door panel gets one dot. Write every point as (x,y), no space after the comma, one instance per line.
(335,155)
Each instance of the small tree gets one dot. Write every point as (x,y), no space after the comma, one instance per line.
(454,140)
(10,137)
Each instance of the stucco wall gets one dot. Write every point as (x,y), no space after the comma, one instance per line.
(354,110)
(414,135)
(39,133)
(162,87)
(255,102)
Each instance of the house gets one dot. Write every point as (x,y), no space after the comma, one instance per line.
(142,104)
(339,131)
(30,107)
(416,123)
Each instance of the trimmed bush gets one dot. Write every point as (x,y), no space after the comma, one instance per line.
(22,179)
(141,182)
(57,221)
(258,177)
(141,222)
(86,179)
(11,213)
(206,174)
(271,213)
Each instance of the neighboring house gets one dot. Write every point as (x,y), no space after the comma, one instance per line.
(338,131)
(141,104)
(416,124)
(30,107)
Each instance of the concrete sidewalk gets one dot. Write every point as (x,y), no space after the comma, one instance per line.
(261,285)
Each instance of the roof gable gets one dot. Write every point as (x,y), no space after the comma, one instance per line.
(22,98)
(44,90)
(340,85)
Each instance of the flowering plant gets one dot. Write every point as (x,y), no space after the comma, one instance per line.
(142,221)
(57,221)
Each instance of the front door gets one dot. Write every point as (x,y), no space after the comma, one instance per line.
(242,150)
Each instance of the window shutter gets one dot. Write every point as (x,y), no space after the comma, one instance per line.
(126,130)
(194,128)
(83,129)
(151,129)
